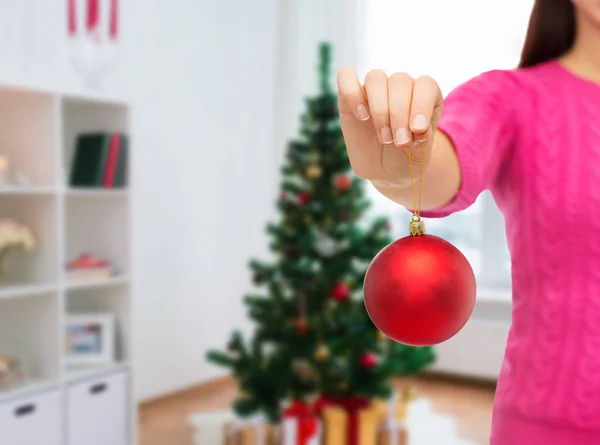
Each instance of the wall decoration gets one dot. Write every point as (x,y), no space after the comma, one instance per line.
(89,339)
(93,35)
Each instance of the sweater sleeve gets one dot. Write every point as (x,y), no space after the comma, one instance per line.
(478,117)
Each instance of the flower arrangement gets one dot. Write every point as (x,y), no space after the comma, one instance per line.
(14,236)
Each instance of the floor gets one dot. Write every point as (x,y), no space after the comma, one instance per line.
(163,422)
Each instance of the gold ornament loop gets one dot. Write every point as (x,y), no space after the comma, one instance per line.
(416,227)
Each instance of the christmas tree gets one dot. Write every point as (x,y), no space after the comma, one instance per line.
(312,333)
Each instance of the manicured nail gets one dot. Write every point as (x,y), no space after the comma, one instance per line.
(419,122)
(386,135)
(402,136)
(362,112)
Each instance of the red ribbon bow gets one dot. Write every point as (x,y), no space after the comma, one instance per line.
(307,422)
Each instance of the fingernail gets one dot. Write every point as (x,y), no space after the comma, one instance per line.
(402,136)
(386,135)
(420,122)
(362,112)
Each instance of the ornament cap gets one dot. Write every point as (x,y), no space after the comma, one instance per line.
(416,227)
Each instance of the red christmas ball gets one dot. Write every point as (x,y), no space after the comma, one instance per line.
(304,198)
(343,183)
(368,360)
(420,290)
(301,326)
(340,292)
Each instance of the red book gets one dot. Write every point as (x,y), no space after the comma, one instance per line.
(111,162)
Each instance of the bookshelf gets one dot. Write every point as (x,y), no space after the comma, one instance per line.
(37,134)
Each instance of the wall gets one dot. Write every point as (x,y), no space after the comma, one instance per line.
(202,79)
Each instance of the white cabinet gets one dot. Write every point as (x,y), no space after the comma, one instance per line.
(32,420)
(97,411)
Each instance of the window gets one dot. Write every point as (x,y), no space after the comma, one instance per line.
(452,42)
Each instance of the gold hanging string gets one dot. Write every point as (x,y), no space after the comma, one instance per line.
(416,226)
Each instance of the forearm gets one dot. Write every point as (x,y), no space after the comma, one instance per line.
(441,179)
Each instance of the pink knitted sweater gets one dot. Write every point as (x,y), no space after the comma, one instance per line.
(532,137)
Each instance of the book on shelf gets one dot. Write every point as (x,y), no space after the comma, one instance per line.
(87,267)
(100,160)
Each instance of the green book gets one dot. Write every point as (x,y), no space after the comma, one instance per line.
(120,180)
(89,160)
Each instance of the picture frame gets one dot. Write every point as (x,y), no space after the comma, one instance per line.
(89,339)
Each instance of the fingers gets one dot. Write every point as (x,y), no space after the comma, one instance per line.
(351,97)
(400,91)
(362,143)
(376,88)
(426,98)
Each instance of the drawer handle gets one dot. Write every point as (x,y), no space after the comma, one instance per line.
(24,410)
(99,388)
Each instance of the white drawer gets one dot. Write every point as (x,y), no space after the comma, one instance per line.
(31,420)
(97,411)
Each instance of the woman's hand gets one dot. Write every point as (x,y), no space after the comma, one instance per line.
(383,118)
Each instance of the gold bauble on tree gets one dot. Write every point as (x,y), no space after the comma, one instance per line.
(322,353)
(313,171)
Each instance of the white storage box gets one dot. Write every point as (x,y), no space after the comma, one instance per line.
(97,412)
(31,420)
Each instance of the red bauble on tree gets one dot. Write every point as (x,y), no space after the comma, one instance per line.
(368,360)
(343,183)
(420,290)
(301,326)
(340,292)
(304,198)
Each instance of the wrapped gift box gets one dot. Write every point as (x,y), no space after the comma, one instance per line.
(350,426)
(254,431)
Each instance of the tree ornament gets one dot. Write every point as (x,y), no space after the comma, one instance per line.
(419,290)
(322,353)
(381,337)
(325,245)
(305,371)
(269,348)
(340,292)
(343,183)
(301,326)
(304,198)
(368,360)
(313,171)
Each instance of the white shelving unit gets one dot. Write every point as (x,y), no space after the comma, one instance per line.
(37,132)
